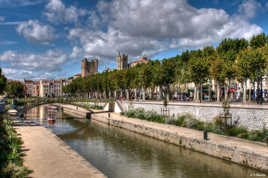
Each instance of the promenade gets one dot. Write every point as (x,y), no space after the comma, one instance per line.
(49,157)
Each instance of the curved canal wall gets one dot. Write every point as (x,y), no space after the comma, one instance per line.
(243,152)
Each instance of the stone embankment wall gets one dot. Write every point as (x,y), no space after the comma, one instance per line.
(243,152)
(252,117)
(92,103)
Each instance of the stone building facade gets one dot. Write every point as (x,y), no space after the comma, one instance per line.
(143,60)
(89,67)
(52,88)
(122,61)
(31,88)
(45,88)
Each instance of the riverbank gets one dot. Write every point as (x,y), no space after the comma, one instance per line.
(49,156)
(243,152)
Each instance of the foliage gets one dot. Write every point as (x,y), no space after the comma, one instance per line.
(15,89)
(3,82)
(188,121)
(232,59)
(11,162)
(88,106)
(258,41)
(141,114)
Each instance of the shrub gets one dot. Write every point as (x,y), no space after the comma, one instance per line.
(189,121)
(11,162)
(192,123)
(256,135)
(180,120)
(235,131)
(218,121)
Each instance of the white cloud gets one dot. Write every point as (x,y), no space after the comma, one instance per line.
(21,74)
(76,53)
(32,30)
(56,12)
(18,74)
(248,8)
(50,61)
(145,26)
(12,23)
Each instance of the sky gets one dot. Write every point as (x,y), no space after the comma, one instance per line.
(47,39)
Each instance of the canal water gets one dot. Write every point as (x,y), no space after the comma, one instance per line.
(120,153)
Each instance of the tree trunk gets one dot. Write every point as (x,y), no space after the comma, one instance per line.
(161,93)
(225,92)
(249,93)
(201,93)
(218,92)
(197,95)
(209,91)
(121,93)
(135,94)
(115,97)
(261,92)
(245,92)
(151,94)
(127,94)
(143,94)
(167,94)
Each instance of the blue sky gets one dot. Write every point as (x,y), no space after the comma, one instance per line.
(48,38)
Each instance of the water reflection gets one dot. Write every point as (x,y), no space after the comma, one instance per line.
(119,153)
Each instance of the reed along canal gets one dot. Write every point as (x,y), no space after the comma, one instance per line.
(119,153)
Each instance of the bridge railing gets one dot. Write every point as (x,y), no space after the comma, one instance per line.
(28,103)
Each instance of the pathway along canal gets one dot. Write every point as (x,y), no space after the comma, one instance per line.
(120,153)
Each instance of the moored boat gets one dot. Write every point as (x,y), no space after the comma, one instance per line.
(12,112)
(49,107)
(51,120)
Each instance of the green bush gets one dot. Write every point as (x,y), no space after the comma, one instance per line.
(256,135)
(11,162)
(144,115)
(235,131)
(189,121)
(194,124)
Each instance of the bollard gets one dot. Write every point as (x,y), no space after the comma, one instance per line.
(205,134)
(88,115)
(108,115)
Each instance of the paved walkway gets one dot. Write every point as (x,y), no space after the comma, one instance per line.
(50,157)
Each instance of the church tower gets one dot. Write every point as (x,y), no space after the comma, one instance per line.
(122,61)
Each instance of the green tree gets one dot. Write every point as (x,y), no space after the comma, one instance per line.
(15,89)
(258,65)
(199,73)
(244,71)
(258,41)
(3,82)
(216,73)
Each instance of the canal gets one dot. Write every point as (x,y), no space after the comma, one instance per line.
(119,153)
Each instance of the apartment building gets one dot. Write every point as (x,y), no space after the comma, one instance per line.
(45,88)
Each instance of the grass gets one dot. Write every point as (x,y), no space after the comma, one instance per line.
(11,162)
(189,121)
